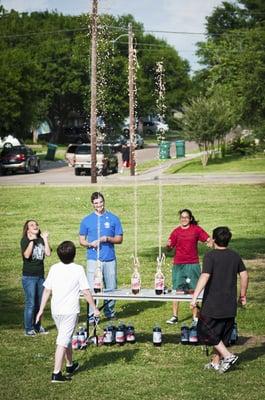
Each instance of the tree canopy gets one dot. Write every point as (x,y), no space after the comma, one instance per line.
(45,69)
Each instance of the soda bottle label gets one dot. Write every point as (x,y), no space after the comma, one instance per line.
(108,337)
(120,337)
(75,342)
(135,282)
(157,337)
(159,283)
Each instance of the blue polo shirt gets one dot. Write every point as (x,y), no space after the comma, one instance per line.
(94,226)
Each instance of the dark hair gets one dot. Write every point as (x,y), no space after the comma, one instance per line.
(97,195)
(66,252)
(25,228)
(192,219)
(222,236)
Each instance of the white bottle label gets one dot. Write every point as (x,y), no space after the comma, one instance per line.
(157,337)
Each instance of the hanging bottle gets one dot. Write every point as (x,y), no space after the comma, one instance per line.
(159,276)
(136,278)
(98,278)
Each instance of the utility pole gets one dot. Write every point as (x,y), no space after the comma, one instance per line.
(93,86)
(131,99)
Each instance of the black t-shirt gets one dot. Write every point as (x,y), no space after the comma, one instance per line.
(220,293)
(33,266)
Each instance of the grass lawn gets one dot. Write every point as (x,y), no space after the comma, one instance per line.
(255,163)
(138,371)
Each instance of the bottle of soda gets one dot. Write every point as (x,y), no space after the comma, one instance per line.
(157,336)
(130,334)
(159,276)
(234,335)
(120,335)
(98,278)
(184,334)
(136,278)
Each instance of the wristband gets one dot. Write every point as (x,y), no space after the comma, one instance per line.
(243,297)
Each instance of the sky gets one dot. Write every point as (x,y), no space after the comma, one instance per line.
(156,15)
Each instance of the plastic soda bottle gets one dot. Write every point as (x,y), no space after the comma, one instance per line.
(98,278)
(157,336)
(136,278)
(159,276)
(130,334)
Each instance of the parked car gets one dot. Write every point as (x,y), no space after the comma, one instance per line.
(154,127)
(70,154)
(107,160)
(18,158)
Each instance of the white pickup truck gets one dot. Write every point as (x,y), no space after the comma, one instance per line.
(107,160)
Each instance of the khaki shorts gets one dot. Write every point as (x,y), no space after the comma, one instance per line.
(65,325)
(185,276)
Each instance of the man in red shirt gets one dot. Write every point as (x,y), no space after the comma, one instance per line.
(186,269)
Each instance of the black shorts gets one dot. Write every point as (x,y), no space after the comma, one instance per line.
(211,330)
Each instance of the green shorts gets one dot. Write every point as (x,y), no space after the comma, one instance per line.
(185,276)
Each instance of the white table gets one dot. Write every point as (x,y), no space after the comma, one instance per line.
(144,295)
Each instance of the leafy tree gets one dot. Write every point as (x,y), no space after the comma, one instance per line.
(45,61)
(206,120)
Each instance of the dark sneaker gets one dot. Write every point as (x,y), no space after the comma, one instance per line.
(173,320)
(59,378)
(227,363)
(30,333)
(212,366)
(73,368)
(43,331)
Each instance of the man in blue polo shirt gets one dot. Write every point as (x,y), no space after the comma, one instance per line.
(99,232)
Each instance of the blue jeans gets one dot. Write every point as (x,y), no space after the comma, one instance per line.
(109,271)
(33,288)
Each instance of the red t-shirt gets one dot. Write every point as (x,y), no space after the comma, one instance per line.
(185,243)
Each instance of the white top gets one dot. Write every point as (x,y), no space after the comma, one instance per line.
(66,281)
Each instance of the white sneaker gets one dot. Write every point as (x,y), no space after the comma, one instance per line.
(212,366)
(173,320)
(227,363)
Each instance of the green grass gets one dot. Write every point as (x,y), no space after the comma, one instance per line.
(254,163)
(138,371)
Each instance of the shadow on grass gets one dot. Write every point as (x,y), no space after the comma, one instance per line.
(135,308)
(107,358)
(252,353)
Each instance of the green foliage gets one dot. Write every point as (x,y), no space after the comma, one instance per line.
(208,119)
(45,70)
(234,57)
(243,146)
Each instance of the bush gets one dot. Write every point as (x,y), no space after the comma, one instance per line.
(242,146)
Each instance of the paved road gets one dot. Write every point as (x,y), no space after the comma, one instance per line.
(58,173)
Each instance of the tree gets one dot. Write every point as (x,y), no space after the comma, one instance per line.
(207,120)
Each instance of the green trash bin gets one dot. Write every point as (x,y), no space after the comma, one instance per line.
(51,150)
(164,150)
(180,148)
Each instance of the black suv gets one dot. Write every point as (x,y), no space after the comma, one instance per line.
(19,158)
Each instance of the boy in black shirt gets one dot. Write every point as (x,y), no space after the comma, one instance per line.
(219,304)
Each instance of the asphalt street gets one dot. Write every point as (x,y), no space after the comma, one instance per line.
(56,173)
